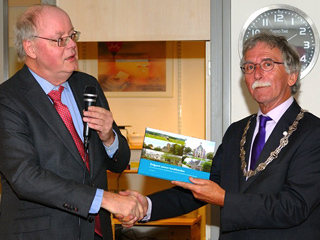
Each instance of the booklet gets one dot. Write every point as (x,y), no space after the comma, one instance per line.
(173,156)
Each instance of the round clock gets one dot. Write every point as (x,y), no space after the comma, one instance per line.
(290,22)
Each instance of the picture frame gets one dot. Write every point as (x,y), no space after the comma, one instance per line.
(131,69)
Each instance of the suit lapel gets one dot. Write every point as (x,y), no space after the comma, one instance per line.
(273,141)
(39,100)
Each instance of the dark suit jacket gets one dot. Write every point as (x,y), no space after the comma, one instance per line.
(281,202)
(46,190)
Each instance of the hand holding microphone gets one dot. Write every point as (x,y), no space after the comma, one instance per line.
(90,99)
(98,118)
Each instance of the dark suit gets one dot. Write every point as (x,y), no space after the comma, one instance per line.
(46,190)
(281,202)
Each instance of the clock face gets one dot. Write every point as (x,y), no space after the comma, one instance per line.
(290,22)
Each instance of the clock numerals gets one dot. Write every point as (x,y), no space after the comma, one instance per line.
(265,22)
(306,45)
(303,31)
(278,18)
(303,58)
(254,32)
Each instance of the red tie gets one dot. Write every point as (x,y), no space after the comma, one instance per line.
(64,113)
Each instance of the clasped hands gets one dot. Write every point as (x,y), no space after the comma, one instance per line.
(204,190)
(124,206)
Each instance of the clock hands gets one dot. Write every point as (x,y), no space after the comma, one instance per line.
(292,37)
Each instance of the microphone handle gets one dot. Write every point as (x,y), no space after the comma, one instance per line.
(86,129)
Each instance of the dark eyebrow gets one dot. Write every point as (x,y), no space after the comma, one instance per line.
(267,59)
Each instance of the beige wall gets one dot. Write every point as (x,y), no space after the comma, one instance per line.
(140,20)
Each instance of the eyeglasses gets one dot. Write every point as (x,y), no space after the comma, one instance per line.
(266,65)
(63,41)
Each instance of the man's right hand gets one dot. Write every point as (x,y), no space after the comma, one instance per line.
(127,206)
(129,220)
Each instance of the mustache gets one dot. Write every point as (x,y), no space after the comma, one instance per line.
(260,84)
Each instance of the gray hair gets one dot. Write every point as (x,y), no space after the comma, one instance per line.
(26,28)
(290,56)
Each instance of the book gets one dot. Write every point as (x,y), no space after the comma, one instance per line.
(172,156)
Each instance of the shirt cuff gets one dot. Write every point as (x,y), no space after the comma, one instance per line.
(114,146)
(148,215)
(96,203)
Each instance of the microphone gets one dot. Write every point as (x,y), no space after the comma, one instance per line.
(90,99)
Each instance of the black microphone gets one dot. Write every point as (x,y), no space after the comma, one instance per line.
(90,99)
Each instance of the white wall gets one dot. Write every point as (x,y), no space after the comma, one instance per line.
(310,85)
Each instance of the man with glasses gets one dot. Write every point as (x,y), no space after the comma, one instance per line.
(267,189)
(52,188)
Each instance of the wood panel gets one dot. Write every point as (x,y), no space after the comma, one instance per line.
(139,20)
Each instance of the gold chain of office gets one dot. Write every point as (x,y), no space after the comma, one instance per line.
(273,155)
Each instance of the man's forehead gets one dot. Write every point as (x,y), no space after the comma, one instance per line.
(54,21)
(263,50)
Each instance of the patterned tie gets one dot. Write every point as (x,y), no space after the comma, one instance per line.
(64,113)
(259,141)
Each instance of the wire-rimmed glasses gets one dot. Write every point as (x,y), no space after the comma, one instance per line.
(266,65)
(63,41)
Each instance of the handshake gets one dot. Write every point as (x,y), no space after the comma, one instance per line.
(128,206)
(131,206)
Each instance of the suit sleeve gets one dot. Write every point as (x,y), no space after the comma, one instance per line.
(173,202)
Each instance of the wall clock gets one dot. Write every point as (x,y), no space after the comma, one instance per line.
(290,22)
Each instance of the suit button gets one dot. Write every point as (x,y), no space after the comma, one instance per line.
(90,219)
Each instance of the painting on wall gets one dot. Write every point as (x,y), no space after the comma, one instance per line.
(135,69)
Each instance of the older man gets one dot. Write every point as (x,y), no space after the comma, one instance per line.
(265,192)
(52,188)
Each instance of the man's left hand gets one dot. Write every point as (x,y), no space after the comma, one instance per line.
(100,120)
(204,190)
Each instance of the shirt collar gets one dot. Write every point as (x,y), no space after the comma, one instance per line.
(46,85)
(278,111)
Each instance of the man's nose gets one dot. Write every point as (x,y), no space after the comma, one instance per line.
(257,71)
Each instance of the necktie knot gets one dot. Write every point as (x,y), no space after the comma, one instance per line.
(263,120)
(55,95)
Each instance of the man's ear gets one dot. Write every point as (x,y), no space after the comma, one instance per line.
(29,48)
(292,79)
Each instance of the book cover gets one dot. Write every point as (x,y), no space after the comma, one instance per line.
(173,156)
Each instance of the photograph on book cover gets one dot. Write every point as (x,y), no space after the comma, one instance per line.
(136,69)
(174,156)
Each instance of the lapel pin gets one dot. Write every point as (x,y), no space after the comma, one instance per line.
(285,133)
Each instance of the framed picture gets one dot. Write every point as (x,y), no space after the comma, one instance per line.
(136,69)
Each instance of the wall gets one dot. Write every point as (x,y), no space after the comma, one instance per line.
(239,95)
(140,20)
